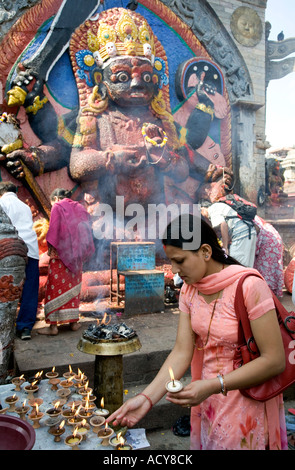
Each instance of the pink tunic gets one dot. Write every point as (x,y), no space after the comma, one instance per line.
(233,422)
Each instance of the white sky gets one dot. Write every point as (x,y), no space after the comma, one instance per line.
(280,105)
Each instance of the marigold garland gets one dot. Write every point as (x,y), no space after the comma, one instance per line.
(151,141)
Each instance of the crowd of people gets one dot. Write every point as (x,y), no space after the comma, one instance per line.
(255,244)
(70,244)
(221,416)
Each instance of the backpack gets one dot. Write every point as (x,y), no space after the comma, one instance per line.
(246,210)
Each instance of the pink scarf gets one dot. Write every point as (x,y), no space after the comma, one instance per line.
(218,281)
(70,233)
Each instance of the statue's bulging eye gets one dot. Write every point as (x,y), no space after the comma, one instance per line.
(123,77)
(147,77)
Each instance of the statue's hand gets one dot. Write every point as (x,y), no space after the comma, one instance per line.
(216,172)
(209,89)
(204,93)
(129,159)
(155,142)
(25,87)
(13,162)
(37,90)
(23,78)
(153,135)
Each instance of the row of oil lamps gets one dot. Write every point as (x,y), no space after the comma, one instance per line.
(76,415)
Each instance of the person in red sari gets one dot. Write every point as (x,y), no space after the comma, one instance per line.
(70,243)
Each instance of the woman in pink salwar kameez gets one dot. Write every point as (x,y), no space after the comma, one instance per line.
(221,417)
(232,421)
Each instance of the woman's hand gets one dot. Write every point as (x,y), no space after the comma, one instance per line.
(131,412)
(195,393)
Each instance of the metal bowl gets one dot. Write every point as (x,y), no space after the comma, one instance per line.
(16,434)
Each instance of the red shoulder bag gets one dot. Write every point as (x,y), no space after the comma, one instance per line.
(247,349)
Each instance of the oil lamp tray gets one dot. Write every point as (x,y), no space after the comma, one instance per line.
(112,347)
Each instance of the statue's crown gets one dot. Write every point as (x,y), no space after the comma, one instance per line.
(128,35)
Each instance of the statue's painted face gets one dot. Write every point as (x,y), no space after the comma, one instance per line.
(130,81)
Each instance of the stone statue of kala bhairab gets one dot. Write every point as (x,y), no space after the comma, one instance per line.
(124,140)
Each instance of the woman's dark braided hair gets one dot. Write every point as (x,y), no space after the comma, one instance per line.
(208,236)
(60,193)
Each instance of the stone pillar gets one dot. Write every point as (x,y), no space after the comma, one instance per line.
(13,255)
(249,163)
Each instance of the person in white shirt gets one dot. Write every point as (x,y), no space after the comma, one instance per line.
(21,217)
(239,240)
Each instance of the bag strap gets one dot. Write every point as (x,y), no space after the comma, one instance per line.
(245,335)
(249,224)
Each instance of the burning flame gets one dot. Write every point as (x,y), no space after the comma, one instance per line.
(171,375)
(61,424)
(105,320)
(36,408)
(75,431)
(38,375)
(70,369)
(78,410)
(102,403)
(83,422)
(34,383)
(73,407)
(86,385)
(53,369)
(57,405)
(21,377)
(122,440)
(24,403)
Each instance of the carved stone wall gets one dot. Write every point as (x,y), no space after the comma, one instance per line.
(248,112)
(11,11)
(239,50)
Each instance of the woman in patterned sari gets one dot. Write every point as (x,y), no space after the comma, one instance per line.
(70,243)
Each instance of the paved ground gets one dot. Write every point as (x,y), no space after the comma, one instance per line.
(166,440)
